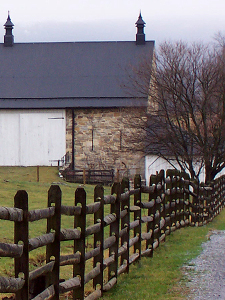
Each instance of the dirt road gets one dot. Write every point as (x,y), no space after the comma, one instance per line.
(207,272)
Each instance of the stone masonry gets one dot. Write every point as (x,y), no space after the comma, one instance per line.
(102,141)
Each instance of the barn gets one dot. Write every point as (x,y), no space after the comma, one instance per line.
(68,98)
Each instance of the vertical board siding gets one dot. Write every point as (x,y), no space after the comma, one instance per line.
(32,137)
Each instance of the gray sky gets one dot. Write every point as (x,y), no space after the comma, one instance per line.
(111,20)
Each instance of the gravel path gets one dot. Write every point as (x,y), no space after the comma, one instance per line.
(207,272)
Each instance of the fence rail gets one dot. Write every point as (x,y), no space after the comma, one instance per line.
(88,176)
(125,226)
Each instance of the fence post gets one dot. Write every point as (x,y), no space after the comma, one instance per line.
(99,236)
(196,203)
(112,175)
(182,195)
(79,244)
(209,200)
(186,206)
(38,173)
(161,194)
(170,198)
(151,212)
(201,204)
(21,235)
(114,231)
(53,249)
(125,223)
(84,176)
(220,196)
(137,214)
(156,210)
(174,198)
(214,198)
(177,199)
(223,190)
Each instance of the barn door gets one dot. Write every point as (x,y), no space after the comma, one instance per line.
(32,137)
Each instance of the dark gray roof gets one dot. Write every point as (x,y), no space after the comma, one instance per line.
(79,74)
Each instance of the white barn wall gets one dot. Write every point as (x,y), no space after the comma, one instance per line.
(154,164)
(9,138)
(32,137)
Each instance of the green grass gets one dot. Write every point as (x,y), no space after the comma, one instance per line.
(25,178)
(13,179)
(160,277)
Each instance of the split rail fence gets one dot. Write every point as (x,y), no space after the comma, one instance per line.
(126,225)
(88,176)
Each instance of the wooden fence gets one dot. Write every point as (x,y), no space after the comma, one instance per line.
(126,225)
(88,176)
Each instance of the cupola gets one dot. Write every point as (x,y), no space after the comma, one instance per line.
(8,37)
(140,36)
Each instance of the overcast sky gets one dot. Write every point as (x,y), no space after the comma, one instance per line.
(111,20)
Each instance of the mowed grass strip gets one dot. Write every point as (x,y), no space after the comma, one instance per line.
(162,276)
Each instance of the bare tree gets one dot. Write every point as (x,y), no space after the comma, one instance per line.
(185,119)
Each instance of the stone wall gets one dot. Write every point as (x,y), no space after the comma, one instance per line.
(102,140)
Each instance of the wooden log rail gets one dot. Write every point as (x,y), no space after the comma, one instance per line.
(125,226)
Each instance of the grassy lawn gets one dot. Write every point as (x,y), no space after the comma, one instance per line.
(25,178)
(155,278)
(13,179)
(161,277)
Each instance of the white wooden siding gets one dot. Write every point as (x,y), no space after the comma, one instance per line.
(154,164)
(32,137)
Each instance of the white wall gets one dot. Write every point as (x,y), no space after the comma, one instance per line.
(154,164)
(32,137)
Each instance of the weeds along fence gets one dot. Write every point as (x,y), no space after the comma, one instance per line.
(126,225)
